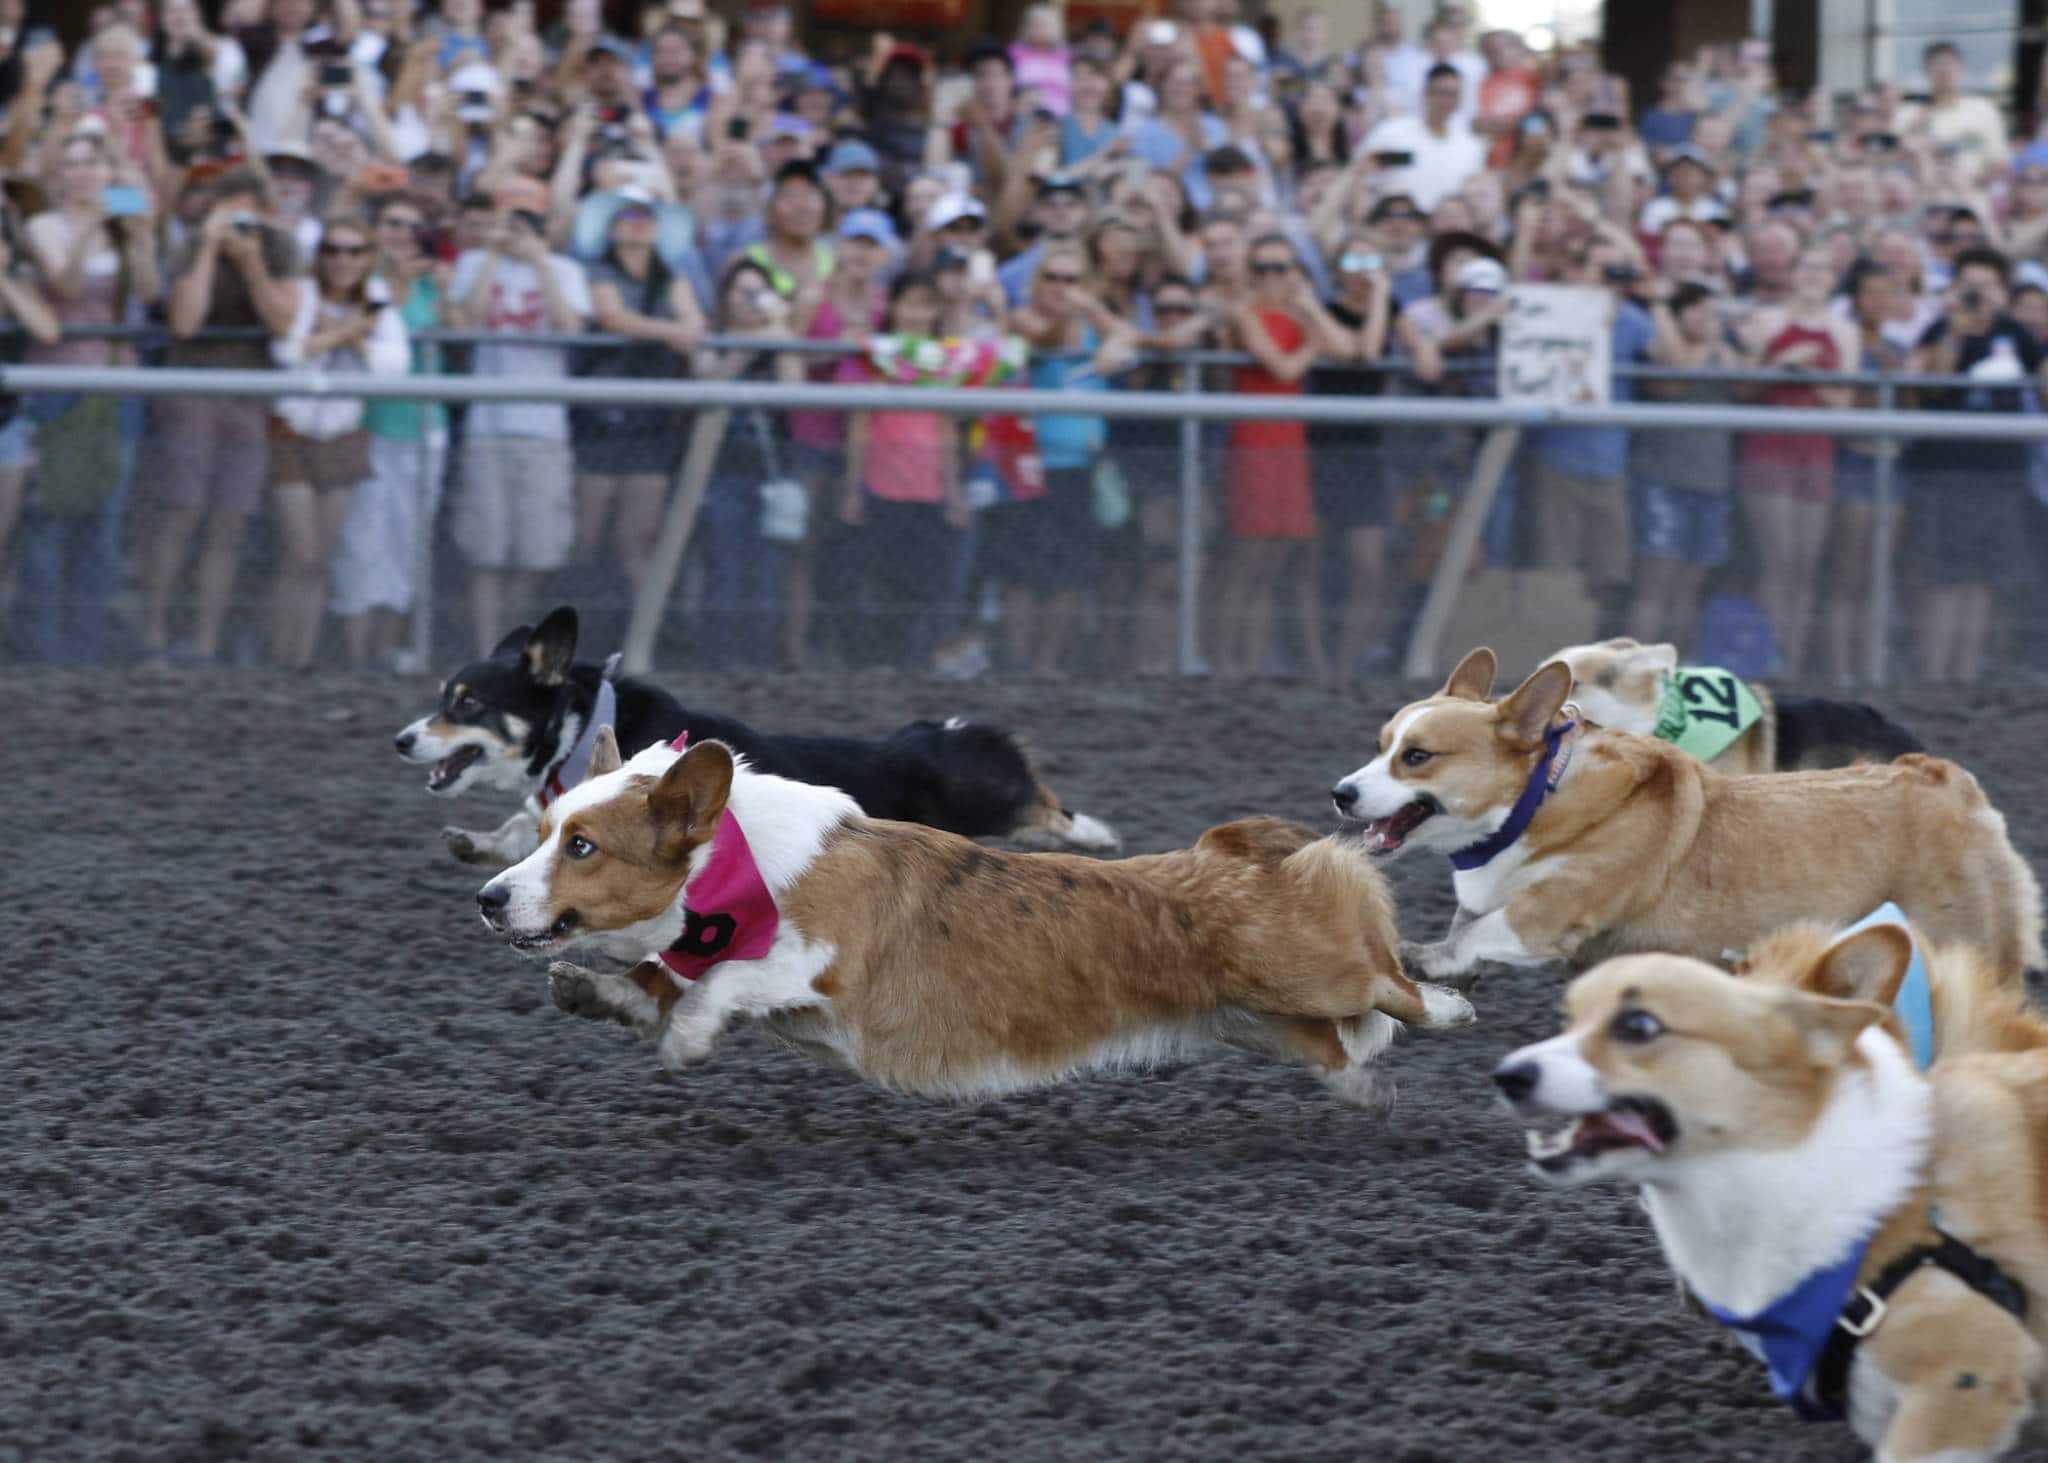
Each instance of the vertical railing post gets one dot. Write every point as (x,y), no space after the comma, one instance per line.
(1190,614)
(423,546)
(1884,493)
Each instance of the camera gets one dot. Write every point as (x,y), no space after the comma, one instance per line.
(1393,159)
(1621,274)
(474,99)
(244,222)
(1602,122)
(336,74)
(611,116)
(736,130)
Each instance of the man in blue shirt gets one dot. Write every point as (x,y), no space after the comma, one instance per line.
(1579,481)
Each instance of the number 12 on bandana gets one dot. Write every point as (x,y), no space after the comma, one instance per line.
(1705,709)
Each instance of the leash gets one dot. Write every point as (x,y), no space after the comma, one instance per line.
(1543,780)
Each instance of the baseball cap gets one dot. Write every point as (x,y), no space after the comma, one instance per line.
(290,152)
(1687,152)
(850,155)
(1061,183)
(904,54)
(868,223)
(787,124)
(631,196)
(1482,274)
(951,208)
(610,46)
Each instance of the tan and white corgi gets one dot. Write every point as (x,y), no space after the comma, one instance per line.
(1736,725)
(1572,842)
(1878,1237)
(927,963)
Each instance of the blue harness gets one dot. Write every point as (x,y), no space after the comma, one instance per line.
(1541,781)
(1807,1337)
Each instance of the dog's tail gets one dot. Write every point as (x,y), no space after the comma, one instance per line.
(1814,732)
(977,780)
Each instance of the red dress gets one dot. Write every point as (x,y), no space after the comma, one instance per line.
(1793,466)
(1266,490)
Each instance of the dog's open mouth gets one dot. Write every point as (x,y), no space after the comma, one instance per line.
(553,934)
(1384,835)
(1627,1122)
(449,768)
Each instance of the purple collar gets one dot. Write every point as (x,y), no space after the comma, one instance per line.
(1541,781)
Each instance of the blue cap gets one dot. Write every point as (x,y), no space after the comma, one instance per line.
(2033,155)
(850,155)
(610,46)
(868,223)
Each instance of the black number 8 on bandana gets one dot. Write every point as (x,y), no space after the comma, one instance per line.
(1705,709)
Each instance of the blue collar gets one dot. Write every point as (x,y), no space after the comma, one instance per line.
(1486,850)
(1914,1004)
(1789,1334)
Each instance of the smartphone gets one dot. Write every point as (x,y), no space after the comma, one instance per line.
(1393,159)
(736,130)
(336,74)
(474,98)
(1601,122)
(120,200)
(1821,134)
(1621,274)
(522,85)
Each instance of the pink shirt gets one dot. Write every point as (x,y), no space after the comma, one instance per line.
(904,455)
(1046,71)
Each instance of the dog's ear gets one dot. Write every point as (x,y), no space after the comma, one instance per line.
(604,753)
(1869,965)
(688,799)
(1473,679)
(514,642)
(551,648)
(1526,712)
(1828,1027)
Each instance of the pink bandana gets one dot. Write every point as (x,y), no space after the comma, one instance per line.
(731,915)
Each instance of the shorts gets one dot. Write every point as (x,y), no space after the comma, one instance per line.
(514,508)
(1581,523)
(1349,487)
(1968,528)
(209,452)
(623,442)
(17,442)
(1856,479)
(1680,523)
(1808,480)
(337,462)
(1046,544)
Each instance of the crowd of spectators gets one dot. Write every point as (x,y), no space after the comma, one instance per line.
(335,182)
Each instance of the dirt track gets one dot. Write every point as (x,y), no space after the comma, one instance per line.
(296,1162)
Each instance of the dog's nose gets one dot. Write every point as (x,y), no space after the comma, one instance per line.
(1516,1080)
(1345,796)
(403,741)
(491,899)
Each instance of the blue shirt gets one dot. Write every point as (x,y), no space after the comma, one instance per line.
(1077,145)
(1069,442)
(1600,452)
(1159,145)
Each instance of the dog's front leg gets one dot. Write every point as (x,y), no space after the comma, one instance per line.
(1487,937)
(504,846)
(781,981)
(600,996)
(1423,957)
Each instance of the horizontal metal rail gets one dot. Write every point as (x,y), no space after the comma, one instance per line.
(1019,401)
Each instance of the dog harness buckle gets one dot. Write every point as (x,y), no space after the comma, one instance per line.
(1871,1318)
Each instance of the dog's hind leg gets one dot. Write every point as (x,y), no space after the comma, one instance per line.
(504,846)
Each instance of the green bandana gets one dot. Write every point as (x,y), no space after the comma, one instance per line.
(1705,709)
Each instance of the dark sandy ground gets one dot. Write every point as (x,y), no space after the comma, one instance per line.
(294,1162)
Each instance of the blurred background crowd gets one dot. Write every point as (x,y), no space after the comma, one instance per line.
(347,183)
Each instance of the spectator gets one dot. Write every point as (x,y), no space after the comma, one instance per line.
(1089,129)
(792,250)
(1689,192)
(1510,92)
(278,53)
(903,491)
(625,456)
(989,124)
(96,272)
(679,95)
(375,567)
(514,512)
(1040,59)
(1967,498)
(1061,214)
(1872,296)
(1268,499)
(1345,470)
(1668,126)
(1789,478)
(1182,135)
(1428,157)
(852,175)
(1969,124)
(343,324)
(212,454)
(1579,475)
(744,564)
(895,105)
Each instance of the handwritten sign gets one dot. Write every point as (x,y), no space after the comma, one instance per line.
(1557,345)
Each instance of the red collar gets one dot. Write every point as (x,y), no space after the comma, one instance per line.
(730,914)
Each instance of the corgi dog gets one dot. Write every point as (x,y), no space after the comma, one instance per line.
(1737,726)
(522,721)
(1878,1237)
(1572,842)
(924,962)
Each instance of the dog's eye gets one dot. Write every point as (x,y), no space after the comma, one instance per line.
(579,847)
(1415,757)
(1636,1027)
(465,704)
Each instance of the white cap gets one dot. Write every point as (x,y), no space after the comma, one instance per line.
(1482,274)
(951,208)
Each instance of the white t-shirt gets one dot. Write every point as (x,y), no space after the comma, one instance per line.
(1441,166)
(517,305)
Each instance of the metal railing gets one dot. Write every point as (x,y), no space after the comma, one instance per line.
(1189,405)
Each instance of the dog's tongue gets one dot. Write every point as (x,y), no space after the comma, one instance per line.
(450,767)
(1382,835)
(1627,1124)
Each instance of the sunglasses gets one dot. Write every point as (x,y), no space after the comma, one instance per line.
(399,221)
(346,250)
(1272,266)
(1173,309)
(1061,278)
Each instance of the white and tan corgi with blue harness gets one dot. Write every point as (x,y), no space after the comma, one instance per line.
(1874,1230)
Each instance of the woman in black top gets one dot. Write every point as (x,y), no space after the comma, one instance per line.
(1344,458)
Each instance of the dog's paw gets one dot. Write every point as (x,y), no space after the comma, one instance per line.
(1437,963)
(574,992)
(1361,1087)
(471,848)
(1445,1008)
(682,1047)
